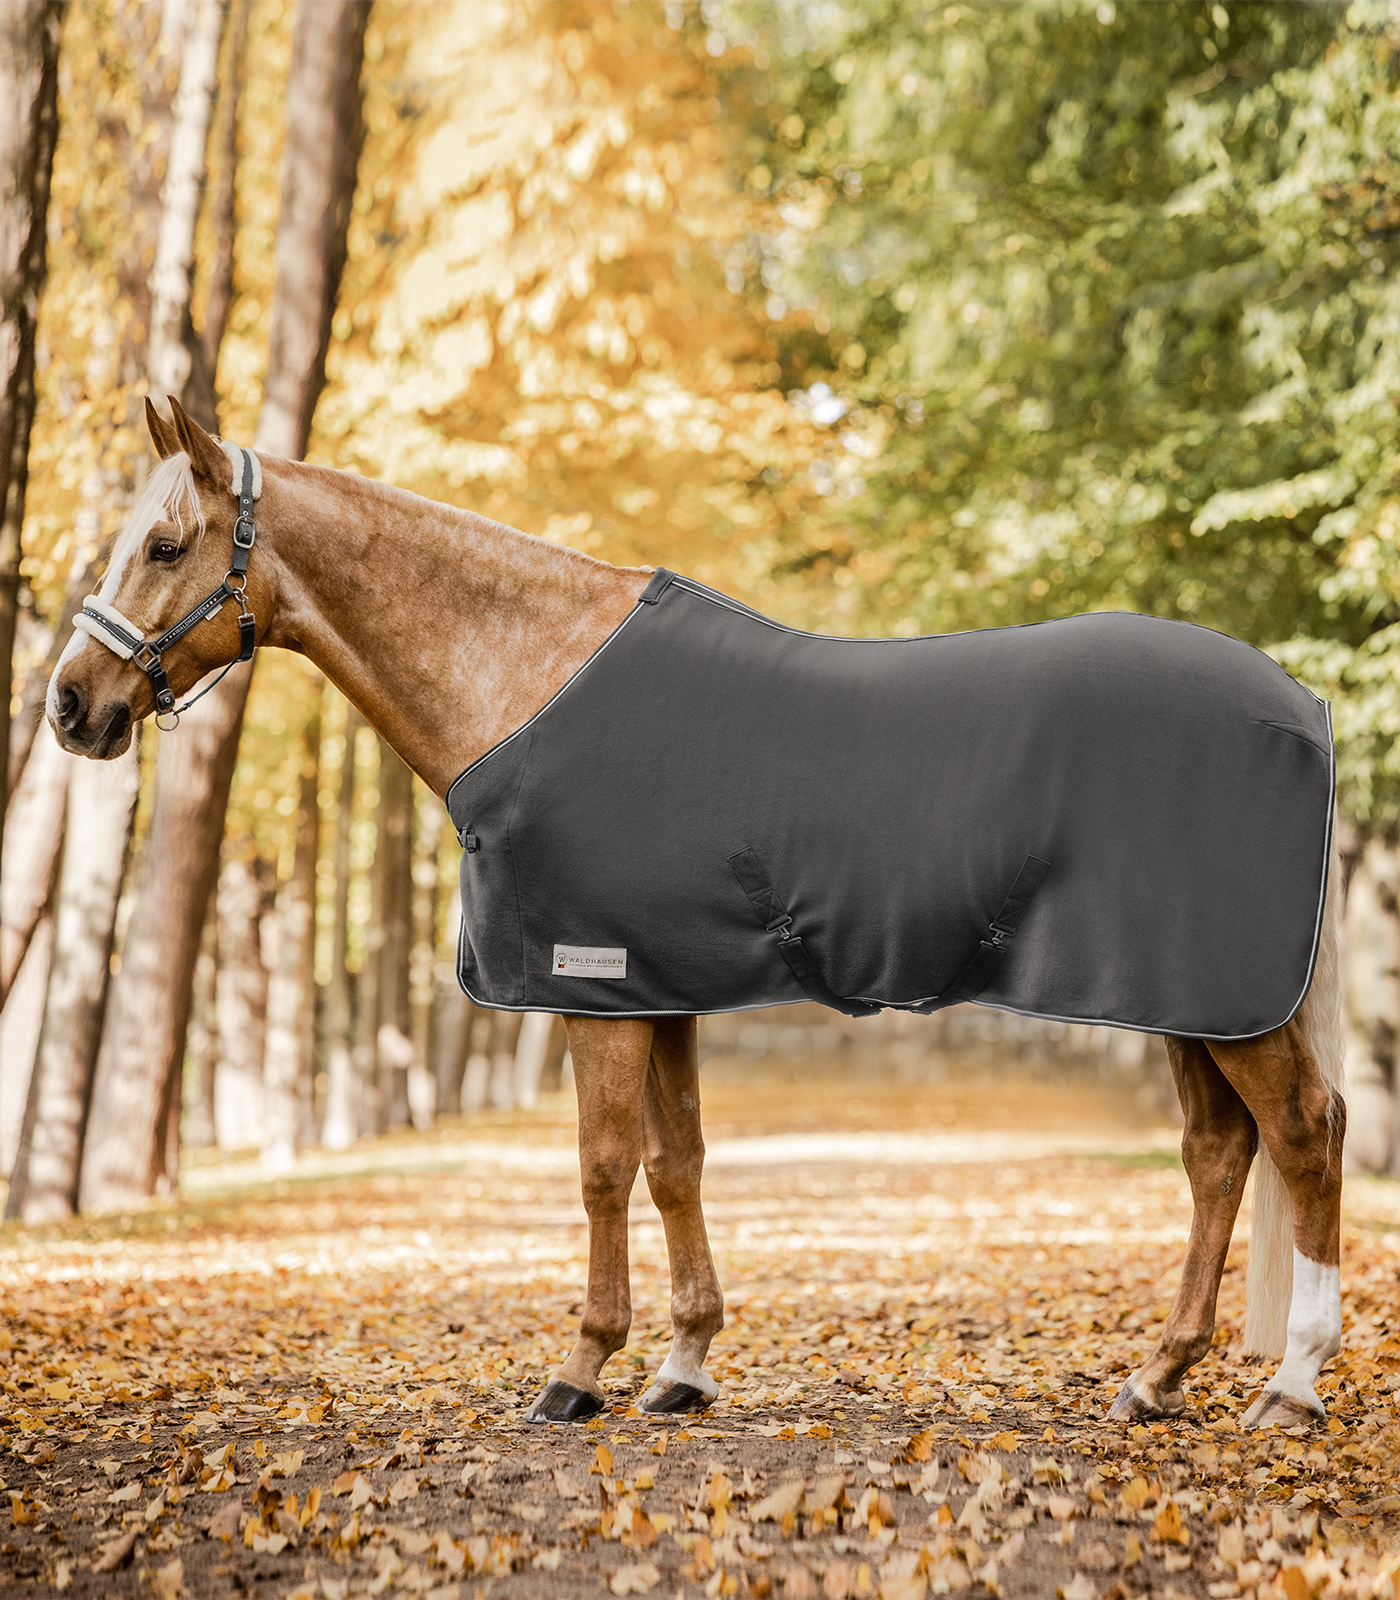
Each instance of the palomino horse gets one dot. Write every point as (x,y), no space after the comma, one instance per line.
(450,632)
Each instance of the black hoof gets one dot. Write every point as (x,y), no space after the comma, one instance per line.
(561,1402)
(679,1397)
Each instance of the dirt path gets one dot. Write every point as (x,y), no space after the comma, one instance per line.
(933,1294)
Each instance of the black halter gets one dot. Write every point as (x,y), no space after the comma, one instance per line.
(147,653)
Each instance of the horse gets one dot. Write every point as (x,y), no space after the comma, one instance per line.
(450,632)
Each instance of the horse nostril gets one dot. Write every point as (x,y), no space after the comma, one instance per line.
(71,710)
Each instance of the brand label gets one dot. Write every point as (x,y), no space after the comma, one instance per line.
(589,961)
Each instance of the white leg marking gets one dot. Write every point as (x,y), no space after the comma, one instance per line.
(676,1369)
(1314,1329)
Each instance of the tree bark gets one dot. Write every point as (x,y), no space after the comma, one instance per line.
(175,350)
(20,1021)
(427,842)
(145,1043)
(393,863)
(342,1102)
(202,1054)
(44,1178)
(452,1020)
(220,296)
(1372,1006)
(288,935)
(38,811)
(240,1006)
(29,39)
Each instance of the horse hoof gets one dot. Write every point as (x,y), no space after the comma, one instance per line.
(669,1399)
(1133,1406)
(561,1402)
(1275,1409)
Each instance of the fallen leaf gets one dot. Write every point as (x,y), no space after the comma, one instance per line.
(1132,1552)
(1168,1526)
(168,1582)
(1060,1507)
(126,1494)
(344,1483)
(638,1579)
(225,1524)
(404,1488)
(1078,1588)
(116,1552)
(602,1461)
(775,1506)
(1134,1497)
(288,1463)
(564,1485)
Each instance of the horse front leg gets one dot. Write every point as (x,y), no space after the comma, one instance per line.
(673,1154)
(1217,1148)
(610,1070)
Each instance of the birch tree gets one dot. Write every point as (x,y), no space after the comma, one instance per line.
(143,1048)
(29,39)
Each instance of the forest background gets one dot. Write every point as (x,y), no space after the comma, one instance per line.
(886,317)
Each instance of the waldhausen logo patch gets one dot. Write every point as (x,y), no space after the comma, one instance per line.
(588,961)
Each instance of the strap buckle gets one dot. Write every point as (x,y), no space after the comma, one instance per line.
(245,519)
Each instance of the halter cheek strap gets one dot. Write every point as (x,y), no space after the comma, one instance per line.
(108,626)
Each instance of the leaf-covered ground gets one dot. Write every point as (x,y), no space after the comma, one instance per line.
(314,1387)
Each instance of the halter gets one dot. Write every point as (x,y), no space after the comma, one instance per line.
(108,626)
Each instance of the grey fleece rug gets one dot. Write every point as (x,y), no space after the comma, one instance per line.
(1110,818)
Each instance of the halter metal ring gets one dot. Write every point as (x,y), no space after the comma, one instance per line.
(239,589)
(173,723)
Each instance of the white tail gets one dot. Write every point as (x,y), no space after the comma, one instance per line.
(1269,1277)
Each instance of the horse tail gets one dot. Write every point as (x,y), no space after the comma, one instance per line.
(1269,1276)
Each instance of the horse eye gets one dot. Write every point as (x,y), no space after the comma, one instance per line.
(165,550)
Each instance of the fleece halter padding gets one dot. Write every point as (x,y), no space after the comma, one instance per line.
(103,622)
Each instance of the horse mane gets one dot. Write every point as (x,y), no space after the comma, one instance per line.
(168,493)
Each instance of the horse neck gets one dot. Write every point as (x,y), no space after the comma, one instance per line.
(447,630)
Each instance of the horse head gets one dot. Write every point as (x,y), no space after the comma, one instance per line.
(175,552)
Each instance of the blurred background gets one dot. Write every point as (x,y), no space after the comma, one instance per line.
(888,318)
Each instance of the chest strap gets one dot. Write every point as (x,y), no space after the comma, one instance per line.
(755,882)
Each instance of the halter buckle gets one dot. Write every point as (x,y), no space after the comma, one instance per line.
(244,521)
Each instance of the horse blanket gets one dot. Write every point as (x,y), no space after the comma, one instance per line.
(1110,818)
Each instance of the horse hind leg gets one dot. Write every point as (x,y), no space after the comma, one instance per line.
(1217,1147)
(673,1154)
(1291,1081)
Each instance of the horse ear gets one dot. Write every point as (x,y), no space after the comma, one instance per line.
(206,454)
(162,434)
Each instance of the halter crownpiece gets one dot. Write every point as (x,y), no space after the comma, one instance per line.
(108,626)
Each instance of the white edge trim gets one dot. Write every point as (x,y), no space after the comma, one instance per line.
(98,632)
(235,454)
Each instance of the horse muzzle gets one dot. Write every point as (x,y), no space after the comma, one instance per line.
(100,737)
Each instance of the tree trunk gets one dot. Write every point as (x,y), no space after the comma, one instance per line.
(342,1101)
(175,351)
(530,1051)
(203,1053)
(394,873)
(422,1085)
(505,1038)
(38,810)
(226,165)
(1372,1006)
(29,38)
(145,1044)
(44,1178)
(452,1020)
(240,1006)
(288,937)
(20,1022)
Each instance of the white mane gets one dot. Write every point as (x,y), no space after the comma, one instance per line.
(169,495)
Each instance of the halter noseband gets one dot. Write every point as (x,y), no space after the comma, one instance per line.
(108,626)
